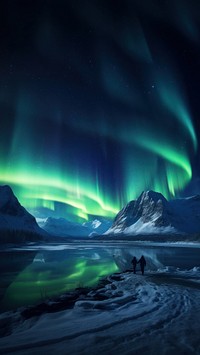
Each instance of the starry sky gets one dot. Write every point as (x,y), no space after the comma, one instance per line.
(99,100)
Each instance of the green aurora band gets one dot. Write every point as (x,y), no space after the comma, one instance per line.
(143,150)
(150,132)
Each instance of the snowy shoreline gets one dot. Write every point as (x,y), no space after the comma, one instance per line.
(155,313)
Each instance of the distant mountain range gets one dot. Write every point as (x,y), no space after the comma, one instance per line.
(151,213)
(14,217)
(64,228)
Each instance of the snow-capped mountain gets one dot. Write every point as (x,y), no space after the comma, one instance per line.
(13,216)
(151,213)
(98,226)
(64,228)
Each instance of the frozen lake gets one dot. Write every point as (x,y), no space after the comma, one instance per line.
(31,274)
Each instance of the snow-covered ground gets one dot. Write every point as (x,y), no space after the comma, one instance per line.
(157,313)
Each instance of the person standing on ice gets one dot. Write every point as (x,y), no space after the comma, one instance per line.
(142,263)
(134,262)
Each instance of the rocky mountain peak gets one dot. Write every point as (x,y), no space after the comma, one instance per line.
(13,216)
(9,204)
(151,213)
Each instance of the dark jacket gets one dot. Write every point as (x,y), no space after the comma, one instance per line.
(134,261)
(142,261)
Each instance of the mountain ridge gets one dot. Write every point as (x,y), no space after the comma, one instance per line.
(152,213)
(13,216)
(65,228)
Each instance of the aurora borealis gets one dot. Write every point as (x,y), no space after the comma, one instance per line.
(99,100)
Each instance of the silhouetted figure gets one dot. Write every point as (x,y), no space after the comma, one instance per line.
(134,262)
(142,263)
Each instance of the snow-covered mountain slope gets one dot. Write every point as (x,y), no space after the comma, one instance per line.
(13,216)
(98,226)
(64,228)
(152,213)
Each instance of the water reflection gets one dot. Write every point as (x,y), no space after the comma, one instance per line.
(32,275)
(54,272)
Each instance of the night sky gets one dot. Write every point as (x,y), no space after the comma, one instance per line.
(99,100)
